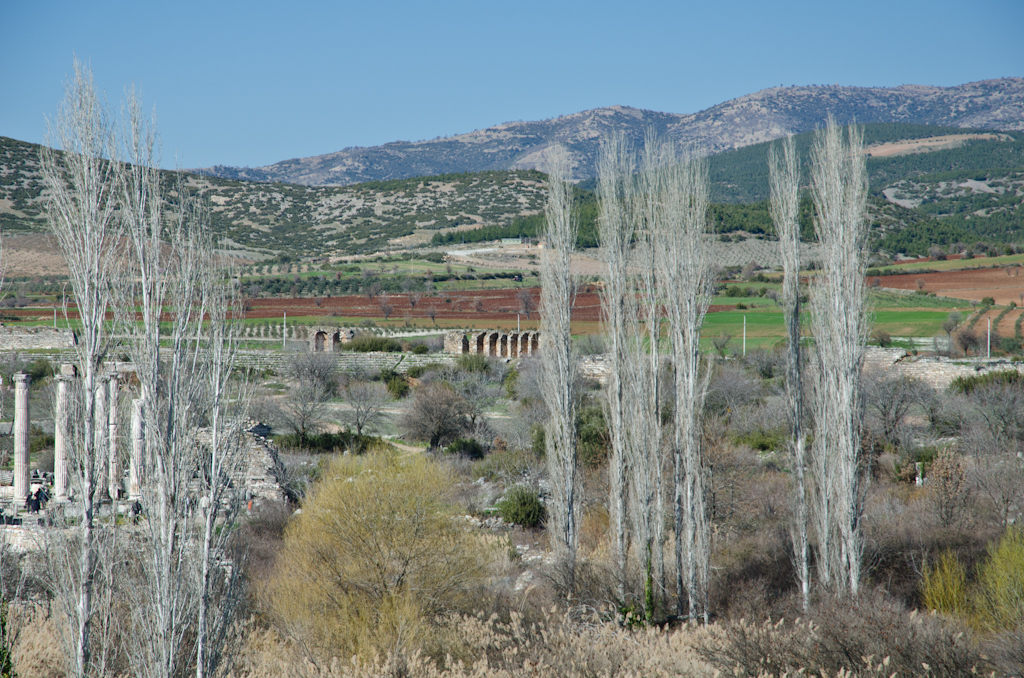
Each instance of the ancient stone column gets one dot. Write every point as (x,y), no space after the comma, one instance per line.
(60,433)
(21,431)
(114,484)
(138,441)
(99,425)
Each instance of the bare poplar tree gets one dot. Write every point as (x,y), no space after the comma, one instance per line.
(649,216)
(81,193)
(784,177)
(222,460)
(558,291)
(685,266)
(173,392)
(615,170)
(839,320)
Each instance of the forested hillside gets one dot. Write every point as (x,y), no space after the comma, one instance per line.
(969,193)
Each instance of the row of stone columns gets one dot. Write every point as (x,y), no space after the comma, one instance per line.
(105,436)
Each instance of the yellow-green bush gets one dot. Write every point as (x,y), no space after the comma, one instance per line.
(944,588)
(999,599)
(375,555)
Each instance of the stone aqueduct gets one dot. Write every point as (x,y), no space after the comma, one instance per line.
(497,343)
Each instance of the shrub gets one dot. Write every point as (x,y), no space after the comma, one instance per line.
(988,301)
(324,442)
(882,337)
(522,506)
(420,349)
(40,369)
(398,387)
(417,371)
(735,291)
(365,343)
(1000,597)
(871,635)
(944,586)
(466,447)
(473,362)
(967,385)
(376,582)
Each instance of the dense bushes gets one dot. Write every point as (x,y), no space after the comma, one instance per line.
(522,506)
(378,555)
(995,602)
(365,343)
(466,447)
(871,635)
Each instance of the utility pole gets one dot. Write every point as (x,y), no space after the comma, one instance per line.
(744,336)
(284,333)
(989,352)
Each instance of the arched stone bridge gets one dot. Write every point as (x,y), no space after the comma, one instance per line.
(497,343)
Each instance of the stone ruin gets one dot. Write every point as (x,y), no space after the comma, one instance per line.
(323,338)
(259,475)
(35,338)
(495,343)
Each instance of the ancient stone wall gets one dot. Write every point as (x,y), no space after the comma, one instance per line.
(937,372)
(35,338)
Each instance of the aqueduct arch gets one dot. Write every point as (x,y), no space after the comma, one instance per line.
(495,343)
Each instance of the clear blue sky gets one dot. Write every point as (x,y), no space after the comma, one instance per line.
(252,83)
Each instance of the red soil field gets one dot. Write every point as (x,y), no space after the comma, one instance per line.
(973,284)
(479,308)
(494,305)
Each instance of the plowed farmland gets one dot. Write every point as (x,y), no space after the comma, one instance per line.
(1002,284)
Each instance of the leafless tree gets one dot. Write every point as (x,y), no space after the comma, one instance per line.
(384,302)
(366,402)
(432,313)
(81,198)
(414,298)
(888,400)
(644,431)
(949,326)
(967,340)
(526,304)
(784,178)
(839,321)
(436,414)
(314,367)
(170,270)
(686,270)
(949,488)
(559,364)
(615,174)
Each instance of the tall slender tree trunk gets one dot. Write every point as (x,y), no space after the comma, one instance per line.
(784,177)
(685,267)
(839,189)
(615,170)
(81,185)
(558,292)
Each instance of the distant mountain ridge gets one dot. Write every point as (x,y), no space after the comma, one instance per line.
(751,119)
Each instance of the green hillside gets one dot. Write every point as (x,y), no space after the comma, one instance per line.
(741,176)
(970,194)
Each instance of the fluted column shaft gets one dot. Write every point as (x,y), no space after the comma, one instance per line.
(21,433)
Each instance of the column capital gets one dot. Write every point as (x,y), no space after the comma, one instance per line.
(68,370)
(22,378)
